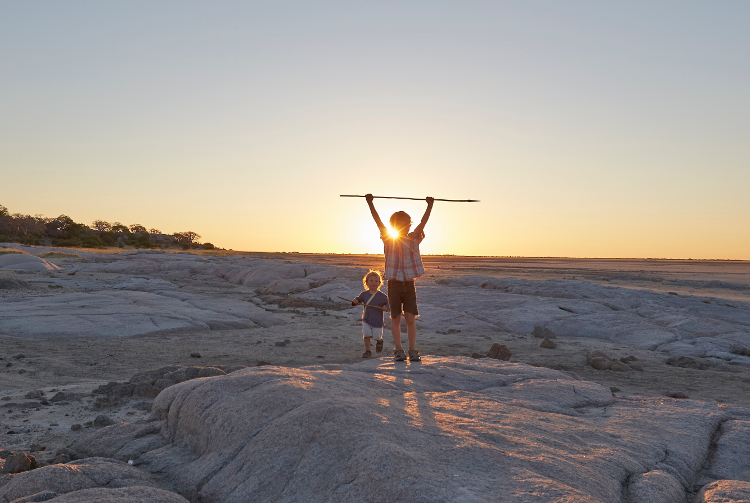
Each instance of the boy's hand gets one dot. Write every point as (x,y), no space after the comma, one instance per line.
(430,200)
(369,198)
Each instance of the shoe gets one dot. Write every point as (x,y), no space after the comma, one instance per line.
(399,355)
(414,355)
(379,346)
(367,354)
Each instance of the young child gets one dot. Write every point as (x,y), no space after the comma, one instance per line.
(403,264)
(372,317)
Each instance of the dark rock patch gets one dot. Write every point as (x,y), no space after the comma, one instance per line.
(499,352)
(21,462)
(547,344)
(688,362)
(150,383)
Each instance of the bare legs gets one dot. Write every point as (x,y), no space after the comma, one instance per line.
(367,343)
(411,330)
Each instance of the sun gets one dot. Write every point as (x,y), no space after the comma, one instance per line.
(393,232)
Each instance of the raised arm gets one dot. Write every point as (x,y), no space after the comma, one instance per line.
(374,212)
(419,229)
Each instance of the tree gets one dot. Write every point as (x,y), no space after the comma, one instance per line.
(190,236)
(101,226)
(119,228)
(3,211)
(154,231)
(138,228)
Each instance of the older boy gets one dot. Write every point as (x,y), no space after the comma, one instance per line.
(403,264)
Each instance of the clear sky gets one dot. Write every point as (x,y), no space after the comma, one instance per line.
(587,129)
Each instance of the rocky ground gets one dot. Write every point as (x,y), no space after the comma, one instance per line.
(69,325)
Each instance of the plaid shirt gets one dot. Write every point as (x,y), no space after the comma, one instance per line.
(402,259)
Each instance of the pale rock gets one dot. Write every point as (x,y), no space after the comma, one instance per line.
(450,424)
(543,332)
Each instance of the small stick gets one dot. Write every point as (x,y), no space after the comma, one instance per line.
(368,305)
(419,199)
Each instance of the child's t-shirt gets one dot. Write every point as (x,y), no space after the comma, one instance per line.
(373,316)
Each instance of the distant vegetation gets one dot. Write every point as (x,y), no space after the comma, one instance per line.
(63,231)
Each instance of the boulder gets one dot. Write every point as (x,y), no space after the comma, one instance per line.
(543,332)
(443,429)
(122,441)
(136,494)
(75,476)
(499,352)
(600,363)
(21,462)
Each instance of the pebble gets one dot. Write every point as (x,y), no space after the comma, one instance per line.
(76,427)
(195,355)
(547,344)
(101,421)
(37,393)
(281,343)
(677,394)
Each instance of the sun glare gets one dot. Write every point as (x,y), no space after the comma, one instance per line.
(393,232)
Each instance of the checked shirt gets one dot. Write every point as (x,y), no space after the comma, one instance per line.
(402,259)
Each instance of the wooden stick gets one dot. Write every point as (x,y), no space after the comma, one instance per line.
(368,305)
(419,199)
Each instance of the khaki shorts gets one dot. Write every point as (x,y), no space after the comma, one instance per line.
(402,296)
(374,332)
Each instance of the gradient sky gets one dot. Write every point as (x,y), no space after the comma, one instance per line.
(587,129)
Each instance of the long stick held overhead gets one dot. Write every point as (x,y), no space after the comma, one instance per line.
(420,199)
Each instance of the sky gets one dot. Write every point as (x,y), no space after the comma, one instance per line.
(586,129)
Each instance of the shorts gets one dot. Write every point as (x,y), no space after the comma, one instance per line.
(374,332)
(402,296)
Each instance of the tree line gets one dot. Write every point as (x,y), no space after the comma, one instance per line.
(64,231)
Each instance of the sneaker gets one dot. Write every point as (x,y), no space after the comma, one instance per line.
(414,355)
(367,354)
(399,355)
(379,346)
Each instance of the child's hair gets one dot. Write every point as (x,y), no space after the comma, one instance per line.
(400,219)
(372,273)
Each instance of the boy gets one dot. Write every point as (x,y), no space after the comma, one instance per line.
(372,317)
(403,264)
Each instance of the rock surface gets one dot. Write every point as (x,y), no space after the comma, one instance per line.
(139,292)
(76,476)
(443,429)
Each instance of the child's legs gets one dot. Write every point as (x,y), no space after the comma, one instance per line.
(396,330)
(411,330)
(368,332)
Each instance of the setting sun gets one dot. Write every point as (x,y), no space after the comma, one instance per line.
(393,232)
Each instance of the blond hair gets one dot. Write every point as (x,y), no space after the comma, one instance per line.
(372,273)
